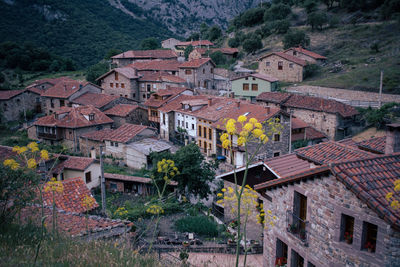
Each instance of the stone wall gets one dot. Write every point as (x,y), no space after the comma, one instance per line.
(12,108)
(327,200)
(287,73)
(129,89)
(301,55)
(198,76)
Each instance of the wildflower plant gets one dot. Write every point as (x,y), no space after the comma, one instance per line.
(393,197)
(87,203)
(244,132)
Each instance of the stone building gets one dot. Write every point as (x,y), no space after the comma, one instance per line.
(249,86)
(309,56)
(331,117)
(131,56)
(121,82)
(129,184)
(169,43)
(229,53)
(198,73)
(15,103)
(127,113)
(282,66)
(151,82)
(100,101)
(334,215)
(181,46)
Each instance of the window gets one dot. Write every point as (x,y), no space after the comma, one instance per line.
(280,65)
(277,137)
(309,264)
(212,70)
(179,123)
(199,134)
(199,143)
(192,126)
(111,85)
(188,72)
(291,65)
(116,144)
(298,221)
(204,71)
(126,96)
(346,229)
(163,115)
(245,87)
(91,117)
(267,64)
(113,186)
(144,96)
(277,154)
(173,72)
(154,113)
(116,76)
(369,234)
(281,253)
(210,134)
(122,85)
(88,177)
(205,84)
(148,87)
(296,259)
(187,125)
(52,103)
(294,53)
(254,87)
(111,143)
(116,85)
(204,132)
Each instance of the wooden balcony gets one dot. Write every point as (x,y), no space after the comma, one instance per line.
(49,136)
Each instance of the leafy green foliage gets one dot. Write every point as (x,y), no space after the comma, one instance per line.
(310,5)
(195,172)
(280,26)
(218,58)
(201,225)
(150,43)
(234,42)
(310,70)
(277,12)
(382,116)
(252,44)
(188,50)
(214,33)
(296,38)
(252,17)
(112,52)
(317,20)
(96,71)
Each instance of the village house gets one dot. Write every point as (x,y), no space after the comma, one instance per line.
(305,135)
(229,53)
(282,66)
(165,66)
(198,73)
(248,87)
(127,113)
(161,98)
(131,56)
(336,212)
(331,117)
(100,101)
(181,46)
(222,80)
(120,82)
(66,125)
(169,43)
(89,143)
(139,153)
(14,104)
(151,82)
(128,184)
(309,56)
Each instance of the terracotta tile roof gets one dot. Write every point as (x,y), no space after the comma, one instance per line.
(8,94)
(320,170)
(370,180)
(306,52)
(290,58)
(288,164)
(160,77)
(75,118)
(298,123)
(176,104)
(95,99)
(224,50)
(196,63)
(348,142)
(75,190)
(374,145)
(329,152)
(74,225)
(259,76)
(320,104)
(166,96)
(312,133)
(63,89)
(274,97)
(195,43)
(153,65)
(121,110)
(52,81)
(97,135)
(126,132)
(128,178)
(151,54)
(78,163)
(127,71)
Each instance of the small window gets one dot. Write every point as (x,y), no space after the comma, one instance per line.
(294,53)
(91,117)
(192,126)
(246,78)
(116,85)
(122,85)
(210,134)
(212,70)
(111,85)
(187,125)
(204,71)
(291,65)
(111,143)
(280,65)
(277,137)
(144,96)
(116,144)
(347,229)
(126,96)
(116,76)
(254,87)
(199,134)
(179,122)
(204,132)
(245,87)
(309,264)
(163,118)
(281,253)
(267,63)
(199,143)
(296,259)
(369,234)
(254,79)
(277,154)
(88,177)
(188,72)
(113,186)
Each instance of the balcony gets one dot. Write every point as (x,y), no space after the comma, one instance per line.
(297,227)
(49,136)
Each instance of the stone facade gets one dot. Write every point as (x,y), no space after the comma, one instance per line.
(305,57)
(137,116)
(119,85)
(12,108)
(327,200)
(169,43)
(288,72)
(202,76)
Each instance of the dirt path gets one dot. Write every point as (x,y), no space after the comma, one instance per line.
(222,260)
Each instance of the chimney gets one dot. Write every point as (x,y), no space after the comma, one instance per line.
(209,101)
(268,109)
(93,153)
(392,138)
(65,87)
(80,86)
(238,104)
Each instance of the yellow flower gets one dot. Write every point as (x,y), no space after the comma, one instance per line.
(44,154)
(220,201)
(223,190)
(22,150)
(248,126)
(89,201)
(244,133)
(241,141)
(230,129)
(394,204)
(264,138)
(14,166)
(226,144)
(230,190)
(224,137)
(269,211)
(397,188)
(253,120)
(33,146)
(257,132)
(258,125)
(32,163)
(8,162)
(155,209)
(397,182)
(242,118)
(54,186)
(389,196)
(219,195)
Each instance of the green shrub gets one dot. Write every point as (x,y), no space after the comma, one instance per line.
(277,12)
(201,225)
(234,42)
(295,38)
(310,70)
(252,44)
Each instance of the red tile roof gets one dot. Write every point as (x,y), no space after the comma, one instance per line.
(176,104)
(259,76)
(348,142)
(121,110)
(370,180)
(195,43)
(75,225)
(374,145)
(75,118)
(97,135)
(306,52)
(78,163)
(128,178)
(71,198)
(196,63)
(274,97)
(166,94)
(298,123)
(224,50)
(63,89)
(8,94)
(95,99)
(290,58)
(126,132)
(288,164)
(312,133)
(145,54)
(127,71)
(160,77)
(152,65)
(329,152)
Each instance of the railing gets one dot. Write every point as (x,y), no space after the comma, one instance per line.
(297,227)
(49,136)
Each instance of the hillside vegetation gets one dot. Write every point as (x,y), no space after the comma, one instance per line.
(359,38)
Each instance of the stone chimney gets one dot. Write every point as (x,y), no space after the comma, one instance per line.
(268,109)
(209,101)
(238,104)
(392,138)
(93,153)
(65,87)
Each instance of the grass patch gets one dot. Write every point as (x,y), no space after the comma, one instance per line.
(201,225)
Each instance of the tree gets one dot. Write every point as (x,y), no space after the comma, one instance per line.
(149,44)
(252,17)
(112,52)
(214,33)
(310,6)
(280,26)
(218,58)
(277,12)
(188,50)
(317,20)
(203,30)
(295,38)
(193,36)
(234,42)
(96,71)
(195,172)
(252,44)
(310,70)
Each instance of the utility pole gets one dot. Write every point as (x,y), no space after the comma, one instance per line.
(290,131)
(103,183)
(380,90)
